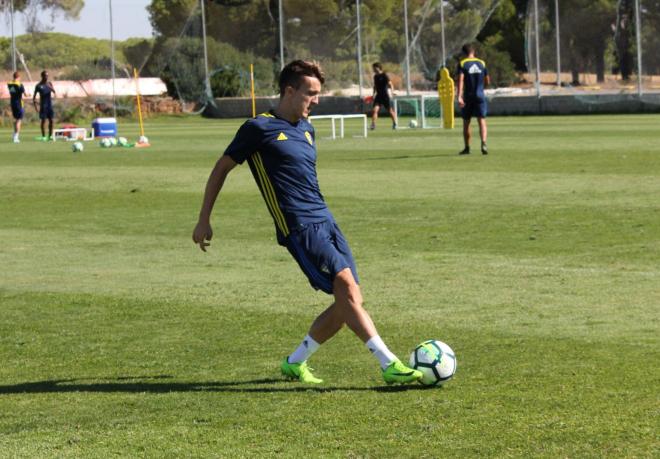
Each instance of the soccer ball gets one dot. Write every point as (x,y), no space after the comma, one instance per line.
(143,139)
(435,360)
(105,142)
(77,146)
(113,142)
(122,141)
(413,123)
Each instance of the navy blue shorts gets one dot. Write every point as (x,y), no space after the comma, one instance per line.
(17,112)
(474,107)
(321,252)
(46,113)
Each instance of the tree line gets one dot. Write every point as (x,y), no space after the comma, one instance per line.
(597,36)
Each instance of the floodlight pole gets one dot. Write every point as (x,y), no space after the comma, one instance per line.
(281,22)
(405,27)
(13,37)
(207,82)
(112,61)
(558,41)
(442,31)
(359,49)
(638,33)
(536,40)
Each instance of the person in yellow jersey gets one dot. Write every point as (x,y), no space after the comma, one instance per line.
(16,92)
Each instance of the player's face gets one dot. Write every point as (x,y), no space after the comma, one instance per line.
(306,96)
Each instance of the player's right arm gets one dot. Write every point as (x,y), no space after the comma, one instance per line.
(203,233)
(459,90)
(246,142)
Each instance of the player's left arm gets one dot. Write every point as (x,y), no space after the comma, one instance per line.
(52,88)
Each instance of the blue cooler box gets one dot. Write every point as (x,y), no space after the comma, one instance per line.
(104,127)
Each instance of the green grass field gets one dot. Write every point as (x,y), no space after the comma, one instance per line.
(539,265)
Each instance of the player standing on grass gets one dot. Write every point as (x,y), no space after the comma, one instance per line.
(16,91)
(280,149)
(472,78)
(381,95)
(46,91)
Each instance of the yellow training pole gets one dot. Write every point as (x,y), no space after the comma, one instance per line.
(139,106)
(254,102)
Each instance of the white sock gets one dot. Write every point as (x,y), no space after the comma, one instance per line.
(378,348)
(305,350)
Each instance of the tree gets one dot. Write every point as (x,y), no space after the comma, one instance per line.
(586,32)
(624,39)
(505,30)
(33,11)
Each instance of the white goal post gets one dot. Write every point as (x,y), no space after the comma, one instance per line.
(341,118)
(72,134)
(425,109)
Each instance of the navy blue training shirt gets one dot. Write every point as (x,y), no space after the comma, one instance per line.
(16,91)
(282,158)
(45,91)
(474,74)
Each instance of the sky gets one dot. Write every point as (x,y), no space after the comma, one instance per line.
(130,19)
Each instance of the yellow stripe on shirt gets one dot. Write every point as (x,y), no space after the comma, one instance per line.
(269,194)
(472,59)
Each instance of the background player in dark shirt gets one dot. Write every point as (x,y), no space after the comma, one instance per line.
(16,91)
(280,148)
(472,79)
(381,95)
(46,91)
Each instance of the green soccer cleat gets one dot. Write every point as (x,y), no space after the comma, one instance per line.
(397,372)
(299,371)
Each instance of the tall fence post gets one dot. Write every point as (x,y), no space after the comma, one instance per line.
(405,19)
(558,43)
(638,33)
(359,49)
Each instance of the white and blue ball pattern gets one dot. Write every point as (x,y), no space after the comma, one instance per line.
(436,360)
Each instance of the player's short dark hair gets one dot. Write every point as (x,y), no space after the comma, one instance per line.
(294,72)
(377,65)
(468,48)
(16,75)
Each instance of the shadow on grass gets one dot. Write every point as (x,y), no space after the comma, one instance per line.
(157,385)
(389,158)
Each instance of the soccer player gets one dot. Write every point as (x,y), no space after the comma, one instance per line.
(46,91)
(16,91)
(280,149)
(472,78)
(381,95)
